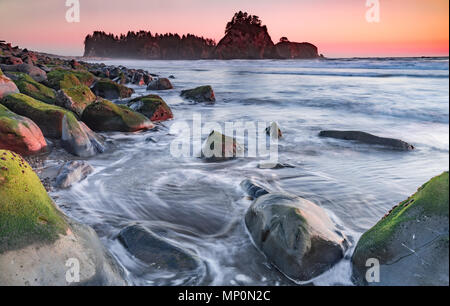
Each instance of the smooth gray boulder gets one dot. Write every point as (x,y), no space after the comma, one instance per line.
(154,250)
(73,172)
(410,243)
(35,72)
(296,235)
(368,139)
(159,84)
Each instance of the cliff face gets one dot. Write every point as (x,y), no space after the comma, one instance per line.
(245,42)
(293,50)
(245,38)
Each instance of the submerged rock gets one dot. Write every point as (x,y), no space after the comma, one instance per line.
(20,134)
(296,235)
(106,116)
(219,147)
(274,165)
(7,86)
(368,138)
(411,242)
(36,90)
(199,94)
(37,239)
(109,89)
(159,84)
(153,107)
(156,251)
(75,99)
(73,172)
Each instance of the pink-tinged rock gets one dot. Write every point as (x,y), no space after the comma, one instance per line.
(20,134)
(7,86)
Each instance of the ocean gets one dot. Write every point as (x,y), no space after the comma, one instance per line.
(200,206)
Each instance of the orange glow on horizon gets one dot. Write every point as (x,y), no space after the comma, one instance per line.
(338,28)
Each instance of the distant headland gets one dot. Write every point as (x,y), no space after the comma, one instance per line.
(245,38)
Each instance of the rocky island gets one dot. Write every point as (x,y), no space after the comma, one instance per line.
(245,38)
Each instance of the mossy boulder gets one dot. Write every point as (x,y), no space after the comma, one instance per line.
(199,94)
(61,78)
(76,98)
(296,235)
(27,213)
(153,107)
(160,84)
(411,242)
(56,122)
(7,86)
(20,134)
(31,88)
(109,89)
(37,239)
(105,115)
(35,72)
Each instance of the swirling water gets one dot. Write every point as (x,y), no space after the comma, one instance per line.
(200,206)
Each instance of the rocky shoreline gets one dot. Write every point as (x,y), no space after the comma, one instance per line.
(61,107)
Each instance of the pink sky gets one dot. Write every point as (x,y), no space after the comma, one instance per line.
(338,28)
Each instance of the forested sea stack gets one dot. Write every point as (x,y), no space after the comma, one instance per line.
(245,38)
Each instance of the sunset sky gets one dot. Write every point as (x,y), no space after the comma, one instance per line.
(338,28)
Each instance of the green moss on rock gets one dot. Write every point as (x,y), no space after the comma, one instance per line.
(60,78)
(109,89)
(31,88)
(47,117)
(105,115)
(153,107)
(76,98)
(27,214)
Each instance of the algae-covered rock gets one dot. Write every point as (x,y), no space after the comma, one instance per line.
(159,84)
(36,90)
(75,99)
(153,107)
(7,86)
(61,78)
(20,134)
(109,89)
(105,115)
(411,242)
(56,122)
(27,213)
(219,147)
(38,243)
(199,94)
(296,235)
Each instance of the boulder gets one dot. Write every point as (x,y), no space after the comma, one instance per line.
(76,98)
(411,242)
(73,172)
(20,134)
(199,94)
(37,241)
(368,138)
(78,139)
(218,147)
(31,88)
(274,131)
(62,78)
(296,235)
(108,89)
(156,251)
(12,60)
(36,73)
(7,86)
(153,107)
(56,122)
(159,84)
(104,115)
